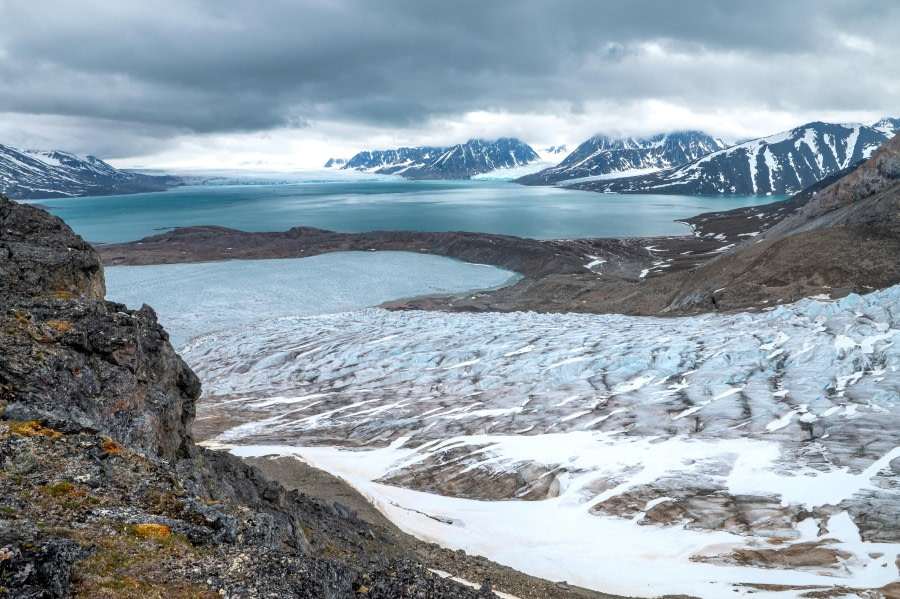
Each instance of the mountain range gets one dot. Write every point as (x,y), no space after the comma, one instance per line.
(461,161)
(602,155)
(32,174)
(835,238)
(784,163)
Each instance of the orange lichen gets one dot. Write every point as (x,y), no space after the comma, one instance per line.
(35,428)
(60,326)
(152,531)
(112,448)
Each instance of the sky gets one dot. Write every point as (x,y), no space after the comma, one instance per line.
(282,84)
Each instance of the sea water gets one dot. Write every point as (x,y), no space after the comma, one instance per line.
(391,204)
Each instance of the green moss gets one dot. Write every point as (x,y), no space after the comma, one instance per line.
(63,489)
(126,565)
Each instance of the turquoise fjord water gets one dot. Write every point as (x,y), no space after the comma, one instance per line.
(356,206)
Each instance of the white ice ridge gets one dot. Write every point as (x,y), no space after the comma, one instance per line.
(703,446)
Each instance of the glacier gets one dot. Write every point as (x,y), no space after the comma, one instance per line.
(712,455)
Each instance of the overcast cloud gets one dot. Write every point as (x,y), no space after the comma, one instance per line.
(227,82)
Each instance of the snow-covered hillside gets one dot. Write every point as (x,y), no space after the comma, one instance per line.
(461,161)
(26,174)
(602,155)
(889,126)
(702,455)
(785,163)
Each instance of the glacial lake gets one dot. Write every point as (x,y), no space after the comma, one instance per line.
(391,204)
(196,299)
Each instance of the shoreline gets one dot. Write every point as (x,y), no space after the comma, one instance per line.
(625,275)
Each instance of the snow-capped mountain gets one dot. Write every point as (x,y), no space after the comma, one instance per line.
(335,162)
(889,126)
(784,163)
(26,174)
(602,155)
(461,161)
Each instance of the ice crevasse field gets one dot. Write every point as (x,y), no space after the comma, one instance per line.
(714,455)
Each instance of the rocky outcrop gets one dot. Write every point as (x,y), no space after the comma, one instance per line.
(40,256)
(102,490)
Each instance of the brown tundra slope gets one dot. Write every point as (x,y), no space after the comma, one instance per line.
(845,238)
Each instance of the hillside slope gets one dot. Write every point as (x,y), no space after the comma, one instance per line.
(845,238)
(33,174)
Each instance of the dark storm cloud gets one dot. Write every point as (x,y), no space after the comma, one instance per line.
(229,65)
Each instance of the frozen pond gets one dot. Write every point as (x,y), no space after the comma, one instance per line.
(195,299)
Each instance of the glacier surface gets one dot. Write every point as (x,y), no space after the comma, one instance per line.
(711,455)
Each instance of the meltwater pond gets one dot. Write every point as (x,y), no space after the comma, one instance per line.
(397,205)
(194,299)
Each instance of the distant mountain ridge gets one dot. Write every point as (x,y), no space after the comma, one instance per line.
(335,162)
(462,161)
(784,163)
(555,150)
(603,155)
(888,126)
(34,174)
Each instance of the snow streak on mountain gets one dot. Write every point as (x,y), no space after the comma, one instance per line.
(26,174)
(461,161)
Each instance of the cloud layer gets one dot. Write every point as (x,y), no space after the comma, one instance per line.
(154,74)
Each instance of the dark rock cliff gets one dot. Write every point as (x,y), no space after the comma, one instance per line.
(103,492)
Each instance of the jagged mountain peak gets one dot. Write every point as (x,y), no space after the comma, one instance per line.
(603,155)
(461,161)
(561,149)
(335,162)
(890,126)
